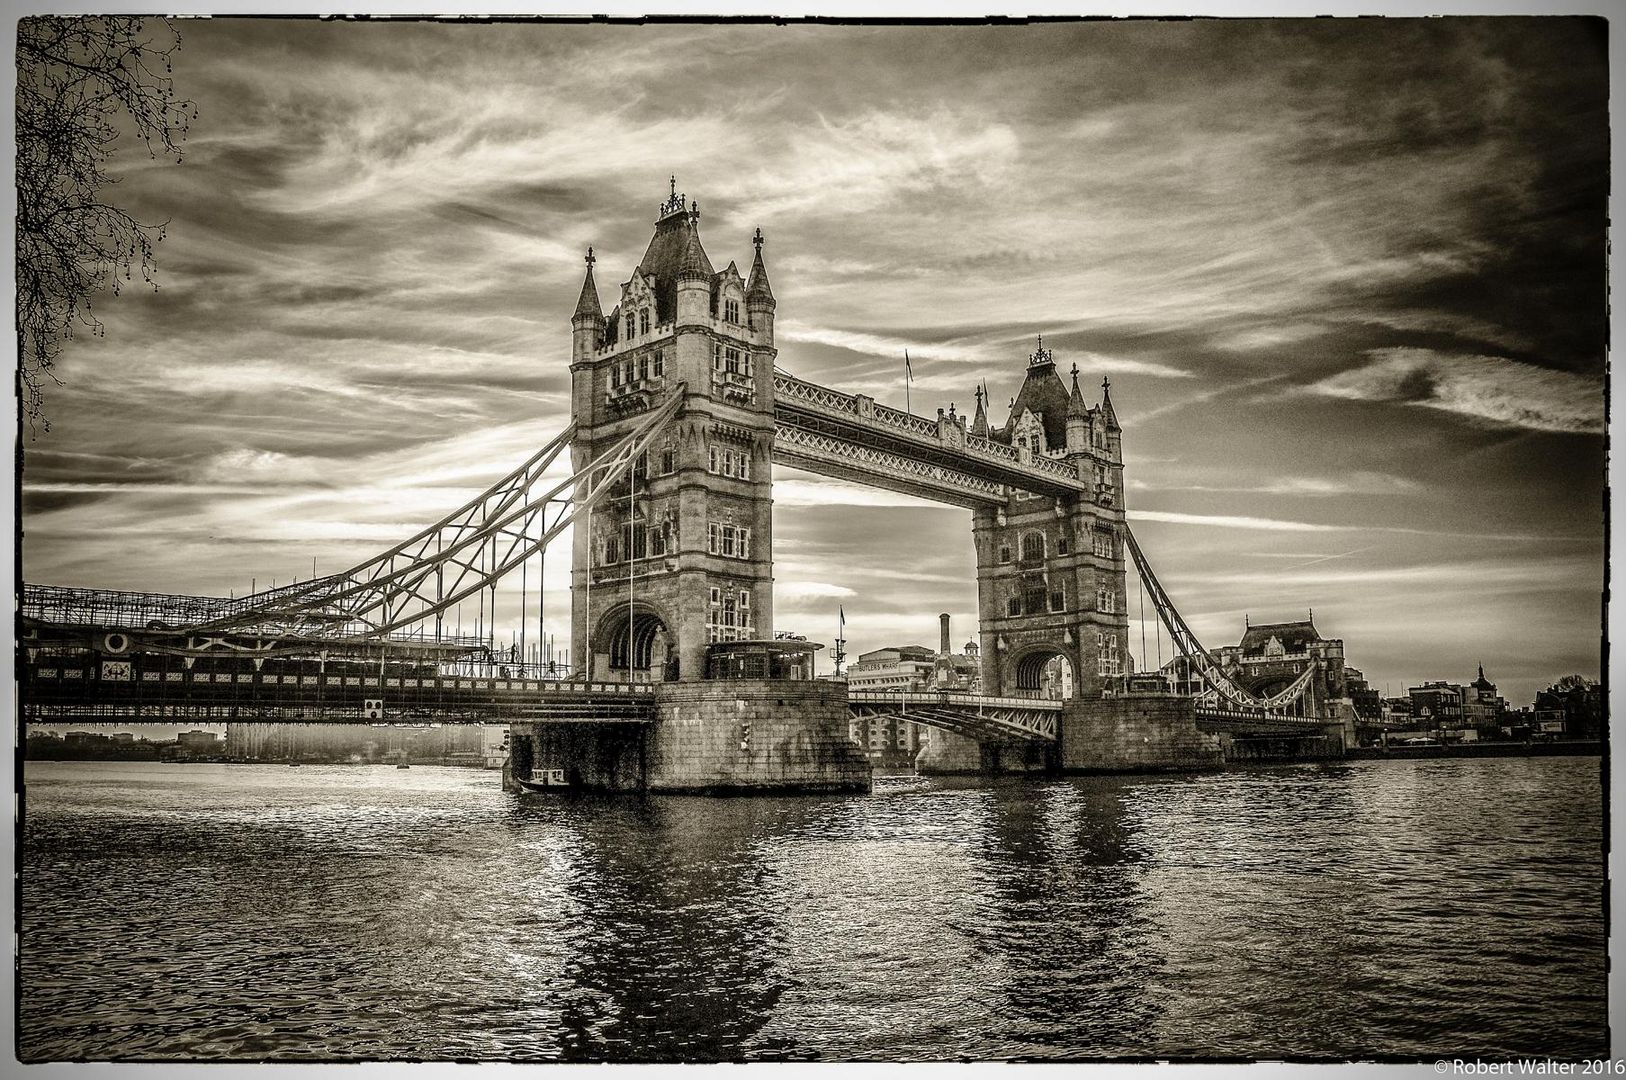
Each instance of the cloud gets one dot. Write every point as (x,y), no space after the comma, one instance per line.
(1354,483)
(1492,389)
(1232,521)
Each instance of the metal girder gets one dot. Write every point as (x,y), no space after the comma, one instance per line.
(1020,719)
(455,558)
(1192,649)
(862,423)
(845,459)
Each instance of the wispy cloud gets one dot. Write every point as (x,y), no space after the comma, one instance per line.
(1492,389)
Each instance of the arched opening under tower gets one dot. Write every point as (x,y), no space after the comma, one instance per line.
(1044,673)
(640,647)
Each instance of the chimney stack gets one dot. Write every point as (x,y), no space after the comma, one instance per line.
(943,648)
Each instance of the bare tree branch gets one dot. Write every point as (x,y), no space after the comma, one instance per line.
(76,78)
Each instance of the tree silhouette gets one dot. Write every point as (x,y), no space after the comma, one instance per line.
(1571,682)
(78,79)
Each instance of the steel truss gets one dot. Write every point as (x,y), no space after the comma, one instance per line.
(1015,719)
(455,558)
(1198,657)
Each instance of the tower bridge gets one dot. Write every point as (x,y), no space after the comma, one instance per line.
(678,411)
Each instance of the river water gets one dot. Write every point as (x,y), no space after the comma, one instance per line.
(1390,910)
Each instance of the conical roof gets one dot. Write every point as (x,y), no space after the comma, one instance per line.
(1075,400)
(979,423)
(694,263)
(757,287)
(587,302)
(1106,406)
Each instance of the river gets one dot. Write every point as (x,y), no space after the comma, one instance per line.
(1369,910)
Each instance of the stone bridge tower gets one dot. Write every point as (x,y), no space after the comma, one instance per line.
(1050,570)
(680,554)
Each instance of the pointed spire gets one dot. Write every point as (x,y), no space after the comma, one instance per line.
(979,422)
(694,265)
(1106,406)
(1075,400)
(757,287)
(587,303)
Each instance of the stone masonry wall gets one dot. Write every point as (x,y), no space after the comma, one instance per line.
(797,738)
(1136,732)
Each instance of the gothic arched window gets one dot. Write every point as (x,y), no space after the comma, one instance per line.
(632,325)
(1033,547)
(643,321)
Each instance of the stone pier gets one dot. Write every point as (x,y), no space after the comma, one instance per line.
(948,754)
(712,737)
(1136,733)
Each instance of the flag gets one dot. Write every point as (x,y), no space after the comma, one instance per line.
(908,368)
(843,612)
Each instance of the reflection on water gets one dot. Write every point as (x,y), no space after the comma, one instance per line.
(1376,909)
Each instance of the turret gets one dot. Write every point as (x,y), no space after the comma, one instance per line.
(979,422)
(587,324)
(1110,420)
(694,275)
(759,301)
(1078,419)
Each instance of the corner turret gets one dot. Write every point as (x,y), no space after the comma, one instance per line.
(694,274)
(1078,419)
(1109,417)
(587,324)
(759,301)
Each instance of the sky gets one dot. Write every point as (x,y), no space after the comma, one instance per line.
(1346,277)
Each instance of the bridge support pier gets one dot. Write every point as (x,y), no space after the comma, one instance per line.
(1328,744)
(948,754)
(1136,733)
(713,737)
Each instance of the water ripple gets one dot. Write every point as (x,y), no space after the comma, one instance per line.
(1388,910)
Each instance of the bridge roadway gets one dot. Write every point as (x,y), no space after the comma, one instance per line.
(92,687)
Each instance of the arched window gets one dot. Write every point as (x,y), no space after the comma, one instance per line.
(643,321)
(632,325)
(1033,547)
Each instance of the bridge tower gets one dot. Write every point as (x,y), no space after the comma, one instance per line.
(681,554)
(1050,569)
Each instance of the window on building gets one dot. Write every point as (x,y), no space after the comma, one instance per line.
(643,368)
(1061,545)
(727,461)
(731,541)
(1103,544)
(1032,547)
(615,374)
(1106,599)
(643,321)
(660,364)
(668,456)
(1058,599)
(731,311)
(1108,659)
(632,325)
(1004,553)
(634,539)
(1033,595)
